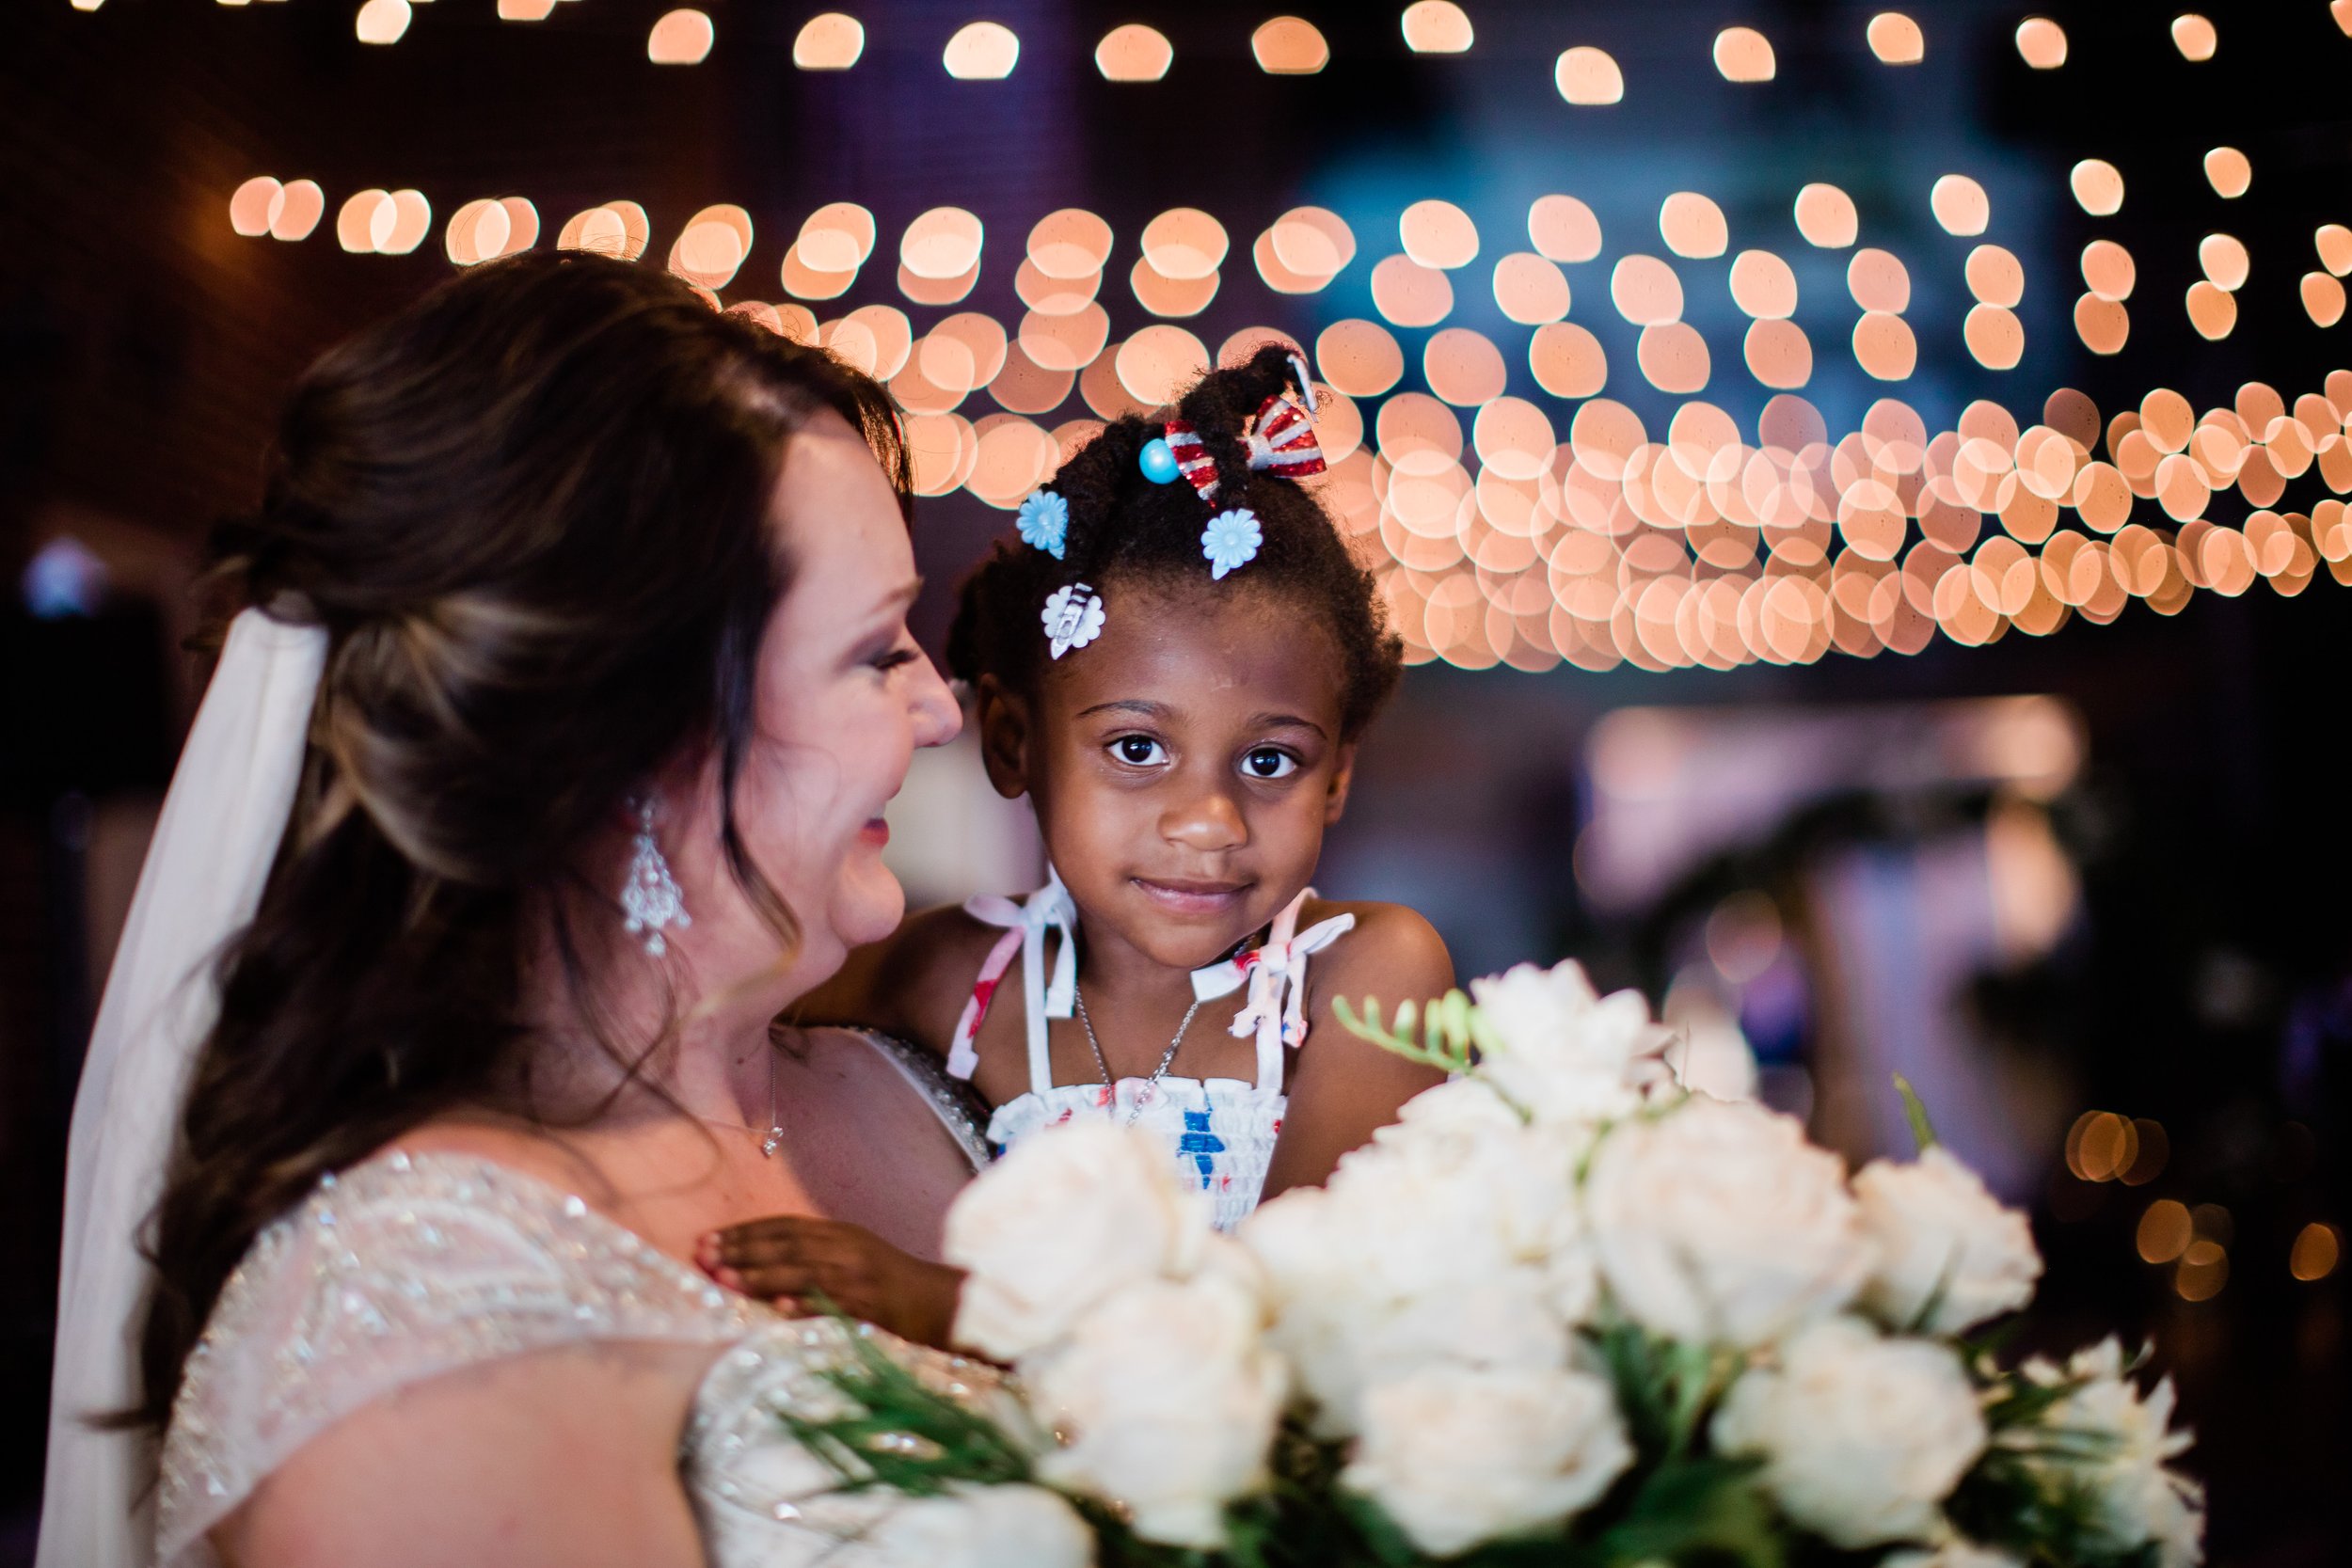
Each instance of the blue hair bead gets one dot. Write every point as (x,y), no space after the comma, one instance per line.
(1157,462)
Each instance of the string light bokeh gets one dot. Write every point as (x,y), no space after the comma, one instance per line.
(1522,533)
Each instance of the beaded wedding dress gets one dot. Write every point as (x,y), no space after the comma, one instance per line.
(409,1266)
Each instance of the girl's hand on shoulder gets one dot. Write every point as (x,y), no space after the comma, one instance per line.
(801,1263)
(1344,1089)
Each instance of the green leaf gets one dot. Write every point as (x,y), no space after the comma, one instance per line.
(1922,1129)
(1698,1508)
(901,1435)
(1446,1025)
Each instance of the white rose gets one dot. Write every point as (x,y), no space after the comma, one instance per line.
(988,1527)
(1458,1103)
(1719,1221)
(1435,1244)
(2141,1499)
(1342,1345)
(1561,1052)
(1572,1282)
(1454,1194)
(1059,1222)
(1952,1554)
(1459,1456)
(1168,1398)
(1950,1255)
(1863,1437)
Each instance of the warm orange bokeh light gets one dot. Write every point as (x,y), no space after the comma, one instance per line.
(1530,290)
(829,40)
(981,52)
(298,210)
(1359,357)
(683,36)
(1438,234)
(2098,185)
(1693,225)
(2042,44)
(2317,1249)
(1896,38)
(1743,55)
(1133,53)
(2229,171)
(1437,27)
(1826,216)
(1588,78)
(254,204)
(382,21)
(1290,46)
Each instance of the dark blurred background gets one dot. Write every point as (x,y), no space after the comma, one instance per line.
(2086,889)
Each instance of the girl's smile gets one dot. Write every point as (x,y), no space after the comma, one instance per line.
(1192,897)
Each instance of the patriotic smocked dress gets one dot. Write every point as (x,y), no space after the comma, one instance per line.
(1219,1131)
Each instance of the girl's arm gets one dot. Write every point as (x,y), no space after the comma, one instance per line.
(1343,1088)
(912,984)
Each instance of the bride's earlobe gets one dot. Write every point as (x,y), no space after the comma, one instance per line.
(1002,716)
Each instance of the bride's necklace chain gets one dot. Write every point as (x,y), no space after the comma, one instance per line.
(1102,1063)
(770,1140)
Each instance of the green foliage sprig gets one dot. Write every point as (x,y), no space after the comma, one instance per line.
(1447,1034)
(901,1435)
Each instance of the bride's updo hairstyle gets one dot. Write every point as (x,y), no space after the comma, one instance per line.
(530,511)
(1126,530)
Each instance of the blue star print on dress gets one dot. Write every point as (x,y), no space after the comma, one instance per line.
(1201,1144)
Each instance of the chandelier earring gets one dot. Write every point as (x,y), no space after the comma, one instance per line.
(650,901)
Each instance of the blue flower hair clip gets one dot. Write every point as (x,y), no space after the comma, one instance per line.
(1044,522)
(1231,540)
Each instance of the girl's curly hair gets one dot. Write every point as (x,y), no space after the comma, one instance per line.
(1125,528)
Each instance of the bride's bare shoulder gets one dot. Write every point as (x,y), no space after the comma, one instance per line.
(534,1151)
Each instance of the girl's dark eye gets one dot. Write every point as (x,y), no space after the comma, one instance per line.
(1139,751)
(1269,762)
(895,659)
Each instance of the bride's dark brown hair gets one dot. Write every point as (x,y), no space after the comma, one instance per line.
(530,511)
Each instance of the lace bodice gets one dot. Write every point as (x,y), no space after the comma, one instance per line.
(409,1266)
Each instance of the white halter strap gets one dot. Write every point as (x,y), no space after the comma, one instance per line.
(1048,909)
(1276,973)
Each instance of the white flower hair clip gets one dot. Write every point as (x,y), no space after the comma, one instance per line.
(1073,617)
(1044,522)
(1232,541)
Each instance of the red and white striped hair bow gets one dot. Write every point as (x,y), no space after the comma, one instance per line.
(1282,440)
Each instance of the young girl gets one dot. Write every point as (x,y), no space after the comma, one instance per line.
(1175,663)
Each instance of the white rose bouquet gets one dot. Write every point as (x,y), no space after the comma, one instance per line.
(1562,1312)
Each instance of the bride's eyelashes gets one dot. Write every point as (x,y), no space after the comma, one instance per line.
(888,653)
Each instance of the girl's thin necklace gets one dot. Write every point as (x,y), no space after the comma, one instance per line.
(770,1140)
(1167,1057)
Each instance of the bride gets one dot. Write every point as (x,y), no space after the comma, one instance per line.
(545,767)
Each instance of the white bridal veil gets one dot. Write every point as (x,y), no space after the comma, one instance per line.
(220,831)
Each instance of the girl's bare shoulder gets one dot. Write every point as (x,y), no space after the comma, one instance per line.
(1392,952)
